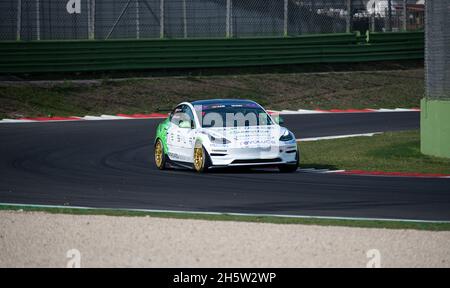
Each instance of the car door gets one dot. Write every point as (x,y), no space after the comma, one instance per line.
(180,139)
(173,135)
(187,135)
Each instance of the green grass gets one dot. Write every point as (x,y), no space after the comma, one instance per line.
(340,90)
(381,224)
(389,152)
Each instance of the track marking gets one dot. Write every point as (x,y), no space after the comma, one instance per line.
(341,111)
(374,173)
(16,121)
(227,213)
(319,171)
(339,137)
(105,117)
(394,174)
(163,116)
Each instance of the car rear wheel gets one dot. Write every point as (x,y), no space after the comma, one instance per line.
(160,156)
(201,159)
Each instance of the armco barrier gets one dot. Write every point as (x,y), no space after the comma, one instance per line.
(77,56)
(388,37)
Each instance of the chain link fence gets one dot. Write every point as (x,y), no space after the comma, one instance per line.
(136,19)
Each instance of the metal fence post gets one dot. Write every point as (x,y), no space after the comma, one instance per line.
(93,19)
(38,20)
(138,29)
(405,16)
(231,19)
(90,12)
(372,21)
(389,10)
(349,16)
(88,4)
(184,20)
(19,19)
(161,19)
(286,15)
(228,19)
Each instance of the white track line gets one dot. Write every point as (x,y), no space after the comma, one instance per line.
(16,121)
(396,110)
(225,213)
(105,117)
(319,171)
(7,121)
(349,173)
(303,111)
(339,137)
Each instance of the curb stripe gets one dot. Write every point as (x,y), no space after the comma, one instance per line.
(366,110)
(85,118)
(163,116)
(57,118)
(144,116)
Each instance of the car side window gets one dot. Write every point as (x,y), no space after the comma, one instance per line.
(190,115)
(182,112)
(176,115)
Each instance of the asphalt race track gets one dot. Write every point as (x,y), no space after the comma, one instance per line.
(109,164)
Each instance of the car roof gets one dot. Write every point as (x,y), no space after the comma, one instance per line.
(222,102)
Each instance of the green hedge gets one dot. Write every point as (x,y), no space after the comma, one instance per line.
(75,56)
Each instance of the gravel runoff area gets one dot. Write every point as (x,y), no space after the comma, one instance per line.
(36,239)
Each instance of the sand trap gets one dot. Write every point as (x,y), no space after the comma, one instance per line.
(43,240)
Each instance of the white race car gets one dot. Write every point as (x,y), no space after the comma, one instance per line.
(224,133)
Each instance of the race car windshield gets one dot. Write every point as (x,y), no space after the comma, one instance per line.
(233,116)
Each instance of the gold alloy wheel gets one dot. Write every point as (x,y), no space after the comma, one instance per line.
(198,158)
(158,154)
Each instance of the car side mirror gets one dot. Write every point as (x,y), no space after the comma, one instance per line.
(278,120)
(184,124)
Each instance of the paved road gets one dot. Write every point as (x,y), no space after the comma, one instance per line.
(109,164)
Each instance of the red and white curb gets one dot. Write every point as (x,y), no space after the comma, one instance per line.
(320,111)
(375,173)
(86,118)
(162,116)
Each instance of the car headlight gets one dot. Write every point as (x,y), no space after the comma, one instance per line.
(287,136)
(219,140)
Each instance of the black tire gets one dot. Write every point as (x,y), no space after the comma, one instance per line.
(287,168)
(160,164)
(290,168)
(205,162)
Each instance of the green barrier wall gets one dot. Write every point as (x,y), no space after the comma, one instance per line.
(435,127)
(77,56)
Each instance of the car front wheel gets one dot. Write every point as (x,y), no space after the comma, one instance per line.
(160,156)
(201,159)
(289,168)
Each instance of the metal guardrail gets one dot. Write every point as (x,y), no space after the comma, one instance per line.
(78,56)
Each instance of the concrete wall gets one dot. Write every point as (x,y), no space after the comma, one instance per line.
(435,128)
